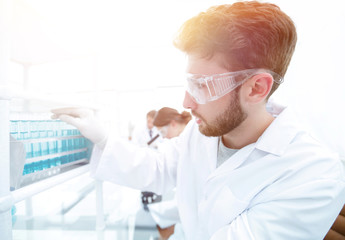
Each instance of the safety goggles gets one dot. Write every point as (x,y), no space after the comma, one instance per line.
(206,88)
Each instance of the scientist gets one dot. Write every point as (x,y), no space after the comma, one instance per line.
(243,169)
(147,135)
(171,124)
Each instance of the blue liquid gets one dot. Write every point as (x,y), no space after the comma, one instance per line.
(52,162)
(64,145)
(59,146)
(23,127)
(71,157)
(14,129)
(27,169)
(70,144)
(26,130)
(13,213)
(64,132)
(82,142)
(51,147)
(44,148)
(64,159)
(36,146)
(57,161)
(28,150)
(45,164)
(35,134)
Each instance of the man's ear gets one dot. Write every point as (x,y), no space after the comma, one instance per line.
(258,87)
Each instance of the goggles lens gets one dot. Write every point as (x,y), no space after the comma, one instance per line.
(206,88)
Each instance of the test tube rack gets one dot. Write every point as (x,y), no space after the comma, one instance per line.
(49,147)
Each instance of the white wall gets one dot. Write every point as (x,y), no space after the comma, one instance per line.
(315,83)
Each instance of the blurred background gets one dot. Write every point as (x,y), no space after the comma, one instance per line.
(119,55)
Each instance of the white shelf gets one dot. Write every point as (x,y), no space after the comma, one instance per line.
(29,102)
(37,187)
(37,98)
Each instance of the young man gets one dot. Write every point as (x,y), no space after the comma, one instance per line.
(241,171)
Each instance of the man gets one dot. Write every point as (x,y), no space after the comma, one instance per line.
(243,169)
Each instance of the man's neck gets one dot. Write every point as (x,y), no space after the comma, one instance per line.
(248,131)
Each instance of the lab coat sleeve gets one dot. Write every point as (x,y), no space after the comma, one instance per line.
(289,216)
(124,163)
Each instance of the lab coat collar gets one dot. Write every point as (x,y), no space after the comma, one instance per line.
(279,134)
(274,140)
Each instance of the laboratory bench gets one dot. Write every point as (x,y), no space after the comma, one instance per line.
(61,213)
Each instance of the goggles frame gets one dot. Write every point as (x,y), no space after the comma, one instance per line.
(206,88)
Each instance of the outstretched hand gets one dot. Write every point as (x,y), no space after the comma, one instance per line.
(86,121)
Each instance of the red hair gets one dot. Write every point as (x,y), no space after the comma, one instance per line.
(248,35)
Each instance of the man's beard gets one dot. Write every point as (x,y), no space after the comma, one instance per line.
(225,122)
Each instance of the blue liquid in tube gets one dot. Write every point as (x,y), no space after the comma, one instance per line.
(14,129)
(28,149)
(44,148)
(64,145)
(71,157)
(64,159)
(45,164)
(57,161)
(36,149)
(51,147)
(59,146)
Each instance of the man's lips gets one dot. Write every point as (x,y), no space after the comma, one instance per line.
(198,118)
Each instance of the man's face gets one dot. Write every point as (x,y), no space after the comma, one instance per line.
(218,117)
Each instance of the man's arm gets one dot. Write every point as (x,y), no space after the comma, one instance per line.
(304,212)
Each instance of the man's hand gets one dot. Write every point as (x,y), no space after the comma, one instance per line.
(86,121)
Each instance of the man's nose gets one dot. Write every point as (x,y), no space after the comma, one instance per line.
(189,102)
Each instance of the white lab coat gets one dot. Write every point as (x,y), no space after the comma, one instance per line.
(141,136)
(284,186)
(165,213)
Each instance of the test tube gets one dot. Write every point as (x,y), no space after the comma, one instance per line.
(34,129)
(51,147)
(70,144)
(26,169)
(29,168)
(64,145)
(50,128)
(28,149)
(14,128)
(76,143)
(36,149)
(71,157)
(52,162)
(42,128)
(82,142)
(59,145)
(23,129)
(13,213)
(64,159)
(45,164)
(35,166)
(57,161)
(64,129)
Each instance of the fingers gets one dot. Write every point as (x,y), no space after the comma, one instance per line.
(74,112)
(71,120)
